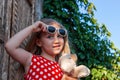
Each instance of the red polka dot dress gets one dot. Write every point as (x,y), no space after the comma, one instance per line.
(43,69)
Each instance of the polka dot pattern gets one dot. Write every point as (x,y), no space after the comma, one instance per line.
(43,69)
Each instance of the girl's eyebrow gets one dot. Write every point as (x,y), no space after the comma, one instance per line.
(47,34)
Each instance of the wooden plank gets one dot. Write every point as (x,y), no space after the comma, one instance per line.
(21,18)
(38,9)
(5,19)
(1,24)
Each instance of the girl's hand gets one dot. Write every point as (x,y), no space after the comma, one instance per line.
(39,26)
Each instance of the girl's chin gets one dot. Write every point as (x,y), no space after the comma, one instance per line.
(57,52)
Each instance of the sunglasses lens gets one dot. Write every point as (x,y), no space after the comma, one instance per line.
(62,32)
(51,29)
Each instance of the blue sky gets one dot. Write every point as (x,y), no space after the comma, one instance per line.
(108,12)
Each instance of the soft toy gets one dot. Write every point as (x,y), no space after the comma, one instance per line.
(67,63)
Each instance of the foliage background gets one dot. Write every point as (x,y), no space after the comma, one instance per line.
(88,39)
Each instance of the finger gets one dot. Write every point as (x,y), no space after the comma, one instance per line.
(44,28)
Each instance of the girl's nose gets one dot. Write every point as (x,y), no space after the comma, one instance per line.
(56,39)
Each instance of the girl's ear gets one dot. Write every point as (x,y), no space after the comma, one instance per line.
(38,43)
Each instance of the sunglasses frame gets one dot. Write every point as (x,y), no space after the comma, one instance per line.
(56,30)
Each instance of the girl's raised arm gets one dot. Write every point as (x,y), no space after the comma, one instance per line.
(12,46)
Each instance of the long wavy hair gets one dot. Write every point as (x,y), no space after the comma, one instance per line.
(33,48)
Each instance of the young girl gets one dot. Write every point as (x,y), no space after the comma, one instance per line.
(49,41)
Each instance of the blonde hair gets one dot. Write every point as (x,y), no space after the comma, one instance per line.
(33,48)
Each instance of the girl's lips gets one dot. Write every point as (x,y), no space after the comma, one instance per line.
(56,46)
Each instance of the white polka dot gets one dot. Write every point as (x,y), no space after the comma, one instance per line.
(34,66)
(45,64)
(30,70)
(27,76)
(44,76)
(30,78)
(56,70)
(53,67)
(38,63)
(51,62)
(34,60)
(59,74)
(52,78)
(59,69)
(41,61)
(33,73)
(45,60)
(45,70)
(49,68)
(37,76)
(49,74)
(53,72)
(41,72)
(40,57)
(56,76)
(42,66)
(38,69)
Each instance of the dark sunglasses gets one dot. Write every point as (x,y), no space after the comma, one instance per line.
(62,32)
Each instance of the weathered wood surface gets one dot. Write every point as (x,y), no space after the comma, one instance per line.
(4,58)
(14,16)
(21,17)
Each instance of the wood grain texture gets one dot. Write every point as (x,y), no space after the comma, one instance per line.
(21,18)
(5,19)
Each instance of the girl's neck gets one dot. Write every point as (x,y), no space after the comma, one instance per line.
(47,56)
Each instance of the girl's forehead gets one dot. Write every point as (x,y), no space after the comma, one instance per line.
(55,25)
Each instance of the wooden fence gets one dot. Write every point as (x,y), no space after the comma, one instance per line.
(14,16)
